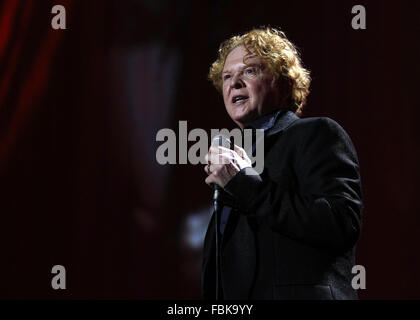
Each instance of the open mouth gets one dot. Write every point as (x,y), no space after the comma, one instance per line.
(239,99)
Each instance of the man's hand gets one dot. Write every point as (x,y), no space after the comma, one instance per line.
(224,164)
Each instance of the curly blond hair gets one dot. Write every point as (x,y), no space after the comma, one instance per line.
(279,54)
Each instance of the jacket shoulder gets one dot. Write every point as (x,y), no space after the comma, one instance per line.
(320,126)
(317,122)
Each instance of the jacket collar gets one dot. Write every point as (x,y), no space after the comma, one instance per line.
(264,122)
(283,120)
(274,122)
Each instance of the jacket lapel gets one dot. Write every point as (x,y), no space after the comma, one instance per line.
(283,121)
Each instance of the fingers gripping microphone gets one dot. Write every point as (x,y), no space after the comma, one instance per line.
(221,141)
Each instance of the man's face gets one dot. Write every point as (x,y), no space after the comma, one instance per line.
(249,89)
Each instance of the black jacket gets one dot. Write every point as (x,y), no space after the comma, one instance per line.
(293,230)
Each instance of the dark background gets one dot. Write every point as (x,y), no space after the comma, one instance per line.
(79,113)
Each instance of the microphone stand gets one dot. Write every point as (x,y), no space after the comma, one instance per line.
(216,205)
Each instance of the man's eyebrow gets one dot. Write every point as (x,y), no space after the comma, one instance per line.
(252,64)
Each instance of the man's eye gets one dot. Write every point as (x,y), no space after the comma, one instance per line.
(250,71)
(226,76)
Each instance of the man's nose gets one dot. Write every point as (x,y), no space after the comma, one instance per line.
(237,82)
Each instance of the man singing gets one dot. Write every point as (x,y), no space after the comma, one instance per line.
(291,231)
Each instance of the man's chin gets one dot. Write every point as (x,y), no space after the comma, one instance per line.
(242,120)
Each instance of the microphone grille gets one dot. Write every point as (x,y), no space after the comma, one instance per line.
(221,141)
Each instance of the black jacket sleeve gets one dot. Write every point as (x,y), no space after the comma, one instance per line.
(324,206)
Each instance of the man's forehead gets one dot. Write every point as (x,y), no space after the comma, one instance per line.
(241,60)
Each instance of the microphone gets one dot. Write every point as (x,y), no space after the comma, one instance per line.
(219,141)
